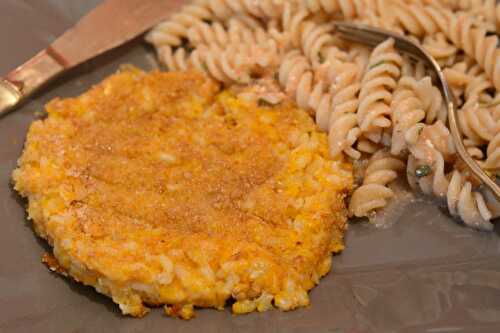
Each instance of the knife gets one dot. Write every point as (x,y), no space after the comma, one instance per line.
(109,25)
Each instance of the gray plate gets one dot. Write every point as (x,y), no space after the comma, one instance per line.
(424,274)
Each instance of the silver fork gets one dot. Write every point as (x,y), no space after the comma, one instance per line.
(373,36)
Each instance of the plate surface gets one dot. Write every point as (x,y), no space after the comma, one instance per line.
(423,274)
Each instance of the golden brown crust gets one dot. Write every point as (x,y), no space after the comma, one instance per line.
(160,189)
(51,262)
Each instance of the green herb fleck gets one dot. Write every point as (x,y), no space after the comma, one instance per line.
(204,67)
(377,64)
(422,171)
(263,103)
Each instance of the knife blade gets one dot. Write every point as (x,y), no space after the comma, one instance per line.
(109,25)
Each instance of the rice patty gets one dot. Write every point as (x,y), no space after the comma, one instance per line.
(160,189)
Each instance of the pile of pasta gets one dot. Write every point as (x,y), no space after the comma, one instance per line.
(379,108)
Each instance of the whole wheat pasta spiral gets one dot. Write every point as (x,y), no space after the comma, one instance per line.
(477,123)
(383,23)
(172,31)
(477,86)
(407,111)
(297,79)
(428,94)
(415,70)
(434,181)
(421,20)
(460,29)
(340,118)
(440,49)
(382,169)
(224,9)
(334,109)
(376,13)
(348,8)
(461,199)
(377,86)
(314,39)
(468,204)
(477,44)
(431,145)
(485,11)
(360,55)
(457,79)
(235,63)
(426,170)
(237,32)
(436,136)
(468,81)
(292,21)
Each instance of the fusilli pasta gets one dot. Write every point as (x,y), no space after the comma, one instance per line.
(477,44)
(233,64)
(172,31)
(426,170)
(237,32)
(378,83)
(485,11)
(348,8)
(440,49)
(477,123)
(297,79)
(460,29)
(382,169)
(315,38)
(340,118)
(224,9)
(407,111)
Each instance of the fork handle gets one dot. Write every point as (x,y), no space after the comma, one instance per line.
(27,78)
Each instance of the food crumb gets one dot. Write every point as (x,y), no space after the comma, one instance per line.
(51,262)
(185,311)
